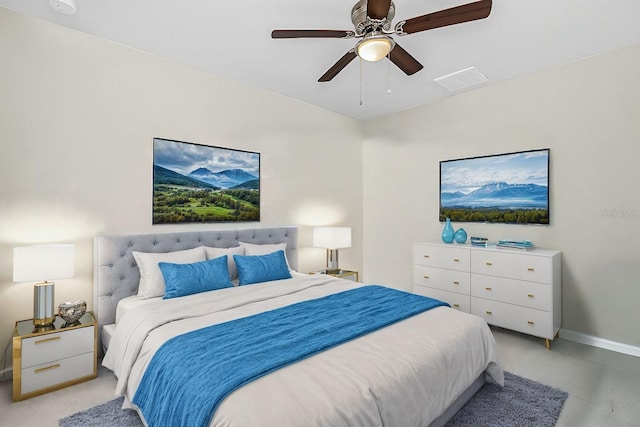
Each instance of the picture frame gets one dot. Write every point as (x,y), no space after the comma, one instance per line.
(196,183)
(511,188)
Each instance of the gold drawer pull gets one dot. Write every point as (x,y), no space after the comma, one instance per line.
(456,260)
(426,277)
(489,264)
(37,371)
(488,289)
(530,295)
(456,283)
(488,312)
(48,339)
(530,322)
(426,256)
(456,305)
(530,269)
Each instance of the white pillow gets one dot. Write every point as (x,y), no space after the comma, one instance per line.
(229,252)
(151,280)
(253,249)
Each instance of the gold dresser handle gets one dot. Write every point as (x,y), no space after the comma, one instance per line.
(530,269)
(48,339)
(489,263)
(425,276)
(488,289)
(530,295)
(488,312)
(456,283)
(40,370)
(456,305)
(426,256)
(530,322)
(456,260)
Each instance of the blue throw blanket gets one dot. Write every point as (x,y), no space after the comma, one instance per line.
(191,374)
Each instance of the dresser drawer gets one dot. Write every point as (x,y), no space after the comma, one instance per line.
(452,258)
(440,278)
(456,301)
(528,294)
(56,346)
(57,372)
(521,319)
(525,266)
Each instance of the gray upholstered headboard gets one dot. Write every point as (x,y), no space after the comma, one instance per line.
(116,274)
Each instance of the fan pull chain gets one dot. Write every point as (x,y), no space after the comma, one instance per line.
(360,81)
(389,73)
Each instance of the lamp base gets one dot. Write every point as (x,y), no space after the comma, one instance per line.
(332,261)
(43,296)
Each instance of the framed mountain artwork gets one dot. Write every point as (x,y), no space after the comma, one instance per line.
(504,188)
(200,183)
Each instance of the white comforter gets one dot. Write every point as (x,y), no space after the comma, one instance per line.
(404,375)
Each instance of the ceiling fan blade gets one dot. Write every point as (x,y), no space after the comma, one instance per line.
(378,9)
(455,15)
(404,60)
(296,34)
(338,66)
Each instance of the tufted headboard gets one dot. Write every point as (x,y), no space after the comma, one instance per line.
(116,274)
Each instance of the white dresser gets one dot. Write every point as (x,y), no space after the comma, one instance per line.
(518,290)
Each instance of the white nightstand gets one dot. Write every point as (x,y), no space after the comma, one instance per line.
(50,358)
(344,274)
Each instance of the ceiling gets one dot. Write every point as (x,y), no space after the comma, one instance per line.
(232,39)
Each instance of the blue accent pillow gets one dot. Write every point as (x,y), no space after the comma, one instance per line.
(187,279)
(262,268)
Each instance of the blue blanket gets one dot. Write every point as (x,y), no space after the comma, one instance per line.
(191,374)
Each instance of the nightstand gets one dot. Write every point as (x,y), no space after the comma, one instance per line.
(344,274)
(49,358)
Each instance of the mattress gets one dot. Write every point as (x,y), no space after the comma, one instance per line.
(408,373)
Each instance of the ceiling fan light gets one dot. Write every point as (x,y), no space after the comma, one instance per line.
(374,48)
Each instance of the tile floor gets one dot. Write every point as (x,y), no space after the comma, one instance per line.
(603,386)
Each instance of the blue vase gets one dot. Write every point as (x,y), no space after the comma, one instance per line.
(460,236)
(447,232)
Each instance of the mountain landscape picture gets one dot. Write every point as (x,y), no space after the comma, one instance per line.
(200,183)
(506,188)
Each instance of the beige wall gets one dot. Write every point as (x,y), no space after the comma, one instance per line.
(77,119)
(588,113)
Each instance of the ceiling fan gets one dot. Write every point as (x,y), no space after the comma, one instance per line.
(372,21)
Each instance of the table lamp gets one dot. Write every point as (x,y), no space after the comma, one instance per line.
(42,263)
(332,238)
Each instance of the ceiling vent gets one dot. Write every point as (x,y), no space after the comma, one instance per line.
(462,79)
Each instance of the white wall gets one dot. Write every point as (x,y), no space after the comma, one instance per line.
(588,113)
(77,119)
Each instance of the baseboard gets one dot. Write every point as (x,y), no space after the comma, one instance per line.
(594,341)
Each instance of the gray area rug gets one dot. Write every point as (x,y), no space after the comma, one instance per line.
(522,402)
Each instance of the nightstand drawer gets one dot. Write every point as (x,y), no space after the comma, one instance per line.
(446,280)
(57,372)
(60,345)
(519,292)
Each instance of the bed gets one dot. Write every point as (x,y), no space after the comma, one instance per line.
(417,370)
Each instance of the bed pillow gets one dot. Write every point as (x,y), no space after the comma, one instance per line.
(253,249)
(262,268)
(187,279)
(229,252)
(151,280)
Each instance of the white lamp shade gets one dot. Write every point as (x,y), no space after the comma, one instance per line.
(332,237)
(43,262)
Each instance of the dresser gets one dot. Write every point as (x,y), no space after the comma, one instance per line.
(49,358)
(517,290)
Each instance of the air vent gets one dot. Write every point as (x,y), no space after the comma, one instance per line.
(462,79)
